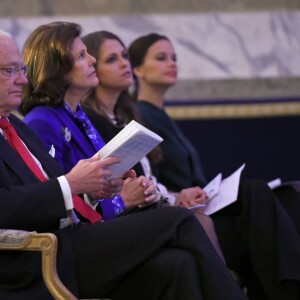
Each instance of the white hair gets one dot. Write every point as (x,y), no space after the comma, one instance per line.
(5,33)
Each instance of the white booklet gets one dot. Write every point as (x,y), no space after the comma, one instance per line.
(131,144)
(221,192)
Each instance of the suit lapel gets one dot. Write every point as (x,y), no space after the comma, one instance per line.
(15,162)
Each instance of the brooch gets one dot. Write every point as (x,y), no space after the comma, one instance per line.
(67,134)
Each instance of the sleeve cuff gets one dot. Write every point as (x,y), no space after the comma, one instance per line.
(112,207)
(66,191)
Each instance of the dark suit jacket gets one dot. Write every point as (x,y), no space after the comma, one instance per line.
(29,204)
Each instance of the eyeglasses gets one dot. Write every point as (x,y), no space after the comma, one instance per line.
(12,71)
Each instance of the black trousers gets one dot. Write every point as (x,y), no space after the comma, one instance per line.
(156,254)
(259,236)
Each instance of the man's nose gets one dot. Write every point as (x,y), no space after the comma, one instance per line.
(21,78)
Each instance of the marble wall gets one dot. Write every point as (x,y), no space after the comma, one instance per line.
(242,50)
(23,8)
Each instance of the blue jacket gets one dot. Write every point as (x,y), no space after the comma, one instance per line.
(54,126)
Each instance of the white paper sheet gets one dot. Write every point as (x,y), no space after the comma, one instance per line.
(227,194)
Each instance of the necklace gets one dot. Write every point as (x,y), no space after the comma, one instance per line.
(112,117)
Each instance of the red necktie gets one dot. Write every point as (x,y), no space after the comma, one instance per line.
(12,137)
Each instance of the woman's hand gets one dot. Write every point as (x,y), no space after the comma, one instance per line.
(138,191)
(191,197)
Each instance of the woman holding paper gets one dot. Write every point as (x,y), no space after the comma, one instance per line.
(52,109)
(259,233)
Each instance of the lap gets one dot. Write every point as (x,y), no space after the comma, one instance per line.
(259,234)
(290,200)
(105,253)
(112,249)
(159,278)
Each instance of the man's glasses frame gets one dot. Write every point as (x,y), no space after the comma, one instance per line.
(12,71)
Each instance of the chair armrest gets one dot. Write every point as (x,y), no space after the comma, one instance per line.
(47,244)
(10,238)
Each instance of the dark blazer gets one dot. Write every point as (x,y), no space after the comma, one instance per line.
(18,211)
(180,167)
(14,172)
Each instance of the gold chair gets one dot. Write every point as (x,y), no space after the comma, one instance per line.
(47,244)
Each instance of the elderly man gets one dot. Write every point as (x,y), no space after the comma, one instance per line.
(129,257)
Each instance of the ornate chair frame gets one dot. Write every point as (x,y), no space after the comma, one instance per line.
(47,244)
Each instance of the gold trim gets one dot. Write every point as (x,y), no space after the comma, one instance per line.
(47,244)
(190,112)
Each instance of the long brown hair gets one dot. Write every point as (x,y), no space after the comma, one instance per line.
(47,54)
(125,109)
